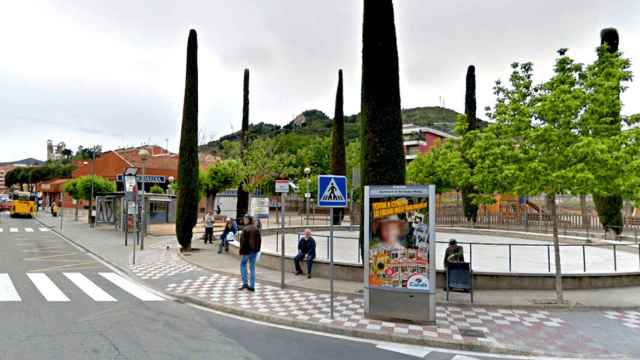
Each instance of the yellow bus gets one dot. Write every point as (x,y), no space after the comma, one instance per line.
(23,203)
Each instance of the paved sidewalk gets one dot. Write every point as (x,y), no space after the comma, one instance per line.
(589,333)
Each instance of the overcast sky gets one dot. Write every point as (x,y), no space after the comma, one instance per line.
(112,72)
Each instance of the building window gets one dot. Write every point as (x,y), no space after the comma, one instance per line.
(413,150)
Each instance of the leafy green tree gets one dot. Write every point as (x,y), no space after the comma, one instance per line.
(469,192)
(338,156)
(443,166)
(242,205)
(381,122)
(187,206)
(533,139)
(71,187)
(219,177)
(156,189)
(80,189)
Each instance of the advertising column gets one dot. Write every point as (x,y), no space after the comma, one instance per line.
(400,274)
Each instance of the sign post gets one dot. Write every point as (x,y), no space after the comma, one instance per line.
(282,186)
(400,245)
(332,193)
(130,197)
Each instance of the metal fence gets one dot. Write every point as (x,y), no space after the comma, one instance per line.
(503,257)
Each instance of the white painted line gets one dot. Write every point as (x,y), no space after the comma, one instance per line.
(7,290)
(462,357)
(28,229)
(410,350)
(44,229)
(13,229)
(132,288)
(47,288)
(89,287)
(1,229)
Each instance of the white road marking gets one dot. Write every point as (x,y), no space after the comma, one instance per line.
(44,229)
(462,357)
(7,290)
(89,287)
(1,229)
(28,229)
(132,288)
(47,288)
(411,350)
(13,229)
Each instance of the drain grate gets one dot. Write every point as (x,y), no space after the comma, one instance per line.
(471,333)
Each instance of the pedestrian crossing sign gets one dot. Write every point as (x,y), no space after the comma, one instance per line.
(332,191)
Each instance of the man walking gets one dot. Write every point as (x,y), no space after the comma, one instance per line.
(306,249)
(208,228)
(250,241)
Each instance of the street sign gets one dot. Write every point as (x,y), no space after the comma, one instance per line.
(282,186)
(332,191)
(260,207)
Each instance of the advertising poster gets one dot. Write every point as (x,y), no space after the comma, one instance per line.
(399,238)
(260,207)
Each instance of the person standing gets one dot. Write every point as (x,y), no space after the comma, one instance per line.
(208,228)
(250,241)
(218,208)
(306,249)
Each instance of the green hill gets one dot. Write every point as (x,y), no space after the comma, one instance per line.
(317,123)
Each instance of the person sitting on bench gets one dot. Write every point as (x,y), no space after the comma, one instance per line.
(306,249)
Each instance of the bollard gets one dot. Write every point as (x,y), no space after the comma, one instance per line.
(584,261)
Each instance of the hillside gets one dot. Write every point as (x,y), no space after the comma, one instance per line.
(317,123)
(25,162)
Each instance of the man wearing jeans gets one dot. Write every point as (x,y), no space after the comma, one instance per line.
(250,241)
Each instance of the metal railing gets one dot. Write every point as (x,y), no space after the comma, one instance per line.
(579,258)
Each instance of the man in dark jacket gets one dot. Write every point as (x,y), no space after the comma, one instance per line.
(306,248)
(250,241)
(453,254)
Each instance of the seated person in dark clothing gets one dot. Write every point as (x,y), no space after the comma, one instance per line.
(306,249)
(453,254)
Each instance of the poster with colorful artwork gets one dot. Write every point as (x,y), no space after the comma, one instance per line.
(399,238)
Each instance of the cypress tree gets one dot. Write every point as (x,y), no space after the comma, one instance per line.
(382,155)
(338,156)
(242,205)
(470,209)
(187,207)
(609,207)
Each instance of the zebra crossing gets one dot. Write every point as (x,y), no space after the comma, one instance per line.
(24,229)
(51,292)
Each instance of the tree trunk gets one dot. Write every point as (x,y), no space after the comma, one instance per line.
(556,247)
(586,221)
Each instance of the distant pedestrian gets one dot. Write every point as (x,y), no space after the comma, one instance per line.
(208,228)
(228,235)
(250,241)
(306,250)
(453,254)
(218,208)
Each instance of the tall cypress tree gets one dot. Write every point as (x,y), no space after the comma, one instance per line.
(382,155)
(242,205)
(338,156)
(187,207)
(609,207)
(470,209)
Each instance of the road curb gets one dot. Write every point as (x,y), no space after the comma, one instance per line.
(357,333)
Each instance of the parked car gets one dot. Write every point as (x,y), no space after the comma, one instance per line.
(5,205)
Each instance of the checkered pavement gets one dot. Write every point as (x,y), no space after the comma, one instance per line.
(531,330)
(630,319)
(161,269)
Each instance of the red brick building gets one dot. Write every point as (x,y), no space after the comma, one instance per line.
(421,139)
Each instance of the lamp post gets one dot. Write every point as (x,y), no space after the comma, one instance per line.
(307,194)
(170,191)
(144,155)
(93,176)
(130,190)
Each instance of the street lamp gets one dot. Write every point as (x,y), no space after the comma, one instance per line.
(93,176)
(307,194)
(130,191)
(171,179)
(144,155)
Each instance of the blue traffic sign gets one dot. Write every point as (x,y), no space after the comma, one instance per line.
(332,191)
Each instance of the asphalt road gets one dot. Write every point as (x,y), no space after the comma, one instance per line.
(57,302)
